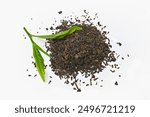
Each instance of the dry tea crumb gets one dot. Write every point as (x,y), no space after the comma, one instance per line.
(87,84)
(66,82)
(101,85)
(119,43)
(51,28)
(99,24)
(60,12)
(74,88)
(112,71)
(116,83)
(49,82)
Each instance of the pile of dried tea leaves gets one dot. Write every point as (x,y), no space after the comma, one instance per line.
(87,51)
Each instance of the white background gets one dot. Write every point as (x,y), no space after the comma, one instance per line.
(127,20)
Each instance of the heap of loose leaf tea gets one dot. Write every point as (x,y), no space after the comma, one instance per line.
(76,47)
(87,51)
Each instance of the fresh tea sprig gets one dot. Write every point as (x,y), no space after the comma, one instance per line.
(39,61)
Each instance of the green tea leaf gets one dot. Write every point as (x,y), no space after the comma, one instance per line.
(59,35)
(39,48)
(39,62)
